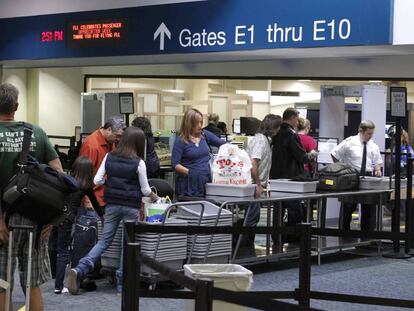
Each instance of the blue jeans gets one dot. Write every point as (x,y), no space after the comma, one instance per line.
(63,252)
(113,215)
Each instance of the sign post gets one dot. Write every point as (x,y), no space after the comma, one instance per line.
(398,101)
(126,105)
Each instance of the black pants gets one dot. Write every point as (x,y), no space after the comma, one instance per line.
(294,216)
(367,216)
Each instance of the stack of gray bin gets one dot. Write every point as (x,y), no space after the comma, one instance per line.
(169,249)
(111,257)
(204,248)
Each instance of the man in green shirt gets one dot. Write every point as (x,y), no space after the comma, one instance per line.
(11,138)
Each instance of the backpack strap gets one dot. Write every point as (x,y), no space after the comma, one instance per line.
(27,138)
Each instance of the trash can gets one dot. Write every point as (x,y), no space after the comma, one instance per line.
(226,276)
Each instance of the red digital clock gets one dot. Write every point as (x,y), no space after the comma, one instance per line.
(48,36)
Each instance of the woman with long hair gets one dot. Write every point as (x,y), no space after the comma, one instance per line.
(151,157)
(82,171)
(191,155)
(405,150)
(124,174)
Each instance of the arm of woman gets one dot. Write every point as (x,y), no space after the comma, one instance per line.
(99,178)
(89,193)
(213,139)
(177,154)
(312,143)
(143,181)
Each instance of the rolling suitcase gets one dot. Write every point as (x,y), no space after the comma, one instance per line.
(29,264)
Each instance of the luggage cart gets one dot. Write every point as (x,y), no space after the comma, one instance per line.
(195,211)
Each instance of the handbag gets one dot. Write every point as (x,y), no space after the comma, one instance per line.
(37,191)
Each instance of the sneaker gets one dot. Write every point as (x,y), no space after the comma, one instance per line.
(73,281)
(61,291)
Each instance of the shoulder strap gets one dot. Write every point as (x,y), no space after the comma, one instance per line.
(28,131)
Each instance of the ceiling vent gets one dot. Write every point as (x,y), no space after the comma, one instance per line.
(276,93)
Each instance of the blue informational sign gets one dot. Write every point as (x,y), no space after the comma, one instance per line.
(206,26)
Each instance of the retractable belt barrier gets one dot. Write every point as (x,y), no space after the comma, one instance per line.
(203,291)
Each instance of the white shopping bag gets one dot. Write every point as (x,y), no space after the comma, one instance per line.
(231,166)
(153,211)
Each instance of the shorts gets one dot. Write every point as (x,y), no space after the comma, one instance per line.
(41,271)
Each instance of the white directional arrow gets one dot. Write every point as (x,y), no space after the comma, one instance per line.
(161,32)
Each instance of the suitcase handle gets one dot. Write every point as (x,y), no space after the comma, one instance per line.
(21,227)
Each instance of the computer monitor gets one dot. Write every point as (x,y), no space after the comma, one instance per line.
(249,125)
(236,126)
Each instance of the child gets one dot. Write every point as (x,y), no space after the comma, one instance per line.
(125,184)
(82,171)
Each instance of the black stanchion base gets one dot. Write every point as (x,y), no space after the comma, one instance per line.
(399,255)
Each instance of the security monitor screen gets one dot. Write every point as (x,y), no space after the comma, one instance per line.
(236,126)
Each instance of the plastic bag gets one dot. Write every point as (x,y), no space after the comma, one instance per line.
(231,166)
(153,211)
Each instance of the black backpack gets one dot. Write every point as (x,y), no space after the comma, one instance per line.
(37,191)
(337,177)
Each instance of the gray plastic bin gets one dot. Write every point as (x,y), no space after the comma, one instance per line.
(287,185)
(374,183)
(226,276)
(239,191)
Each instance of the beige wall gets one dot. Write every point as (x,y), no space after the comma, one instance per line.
(18,78)
(33,95)
(59,100)
(51,97)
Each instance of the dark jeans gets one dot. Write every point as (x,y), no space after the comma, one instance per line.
(52,249)
(252,219)
(64,232)
(367,216)
(85,234)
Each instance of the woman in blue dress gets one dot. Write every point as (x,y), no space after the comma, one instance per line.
(405,150)
(191,155)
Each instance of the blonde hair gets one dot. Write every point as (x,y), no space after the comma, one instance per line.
(303,124)
(404,137)
(188,123)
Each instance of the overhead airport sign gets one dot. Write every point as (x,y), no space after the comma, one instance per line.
(192,27)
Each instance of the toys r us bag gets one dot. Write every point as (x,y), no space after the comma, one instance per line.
(231,166)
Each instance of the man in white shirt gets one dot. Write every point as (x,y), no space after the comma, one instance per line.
(363,154)
(260,152)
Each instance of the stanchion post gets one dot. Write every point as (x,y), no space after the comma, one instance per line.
(131,267)
(396,211)
(395,221)
(408,210)
(304,264)
(204,295)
